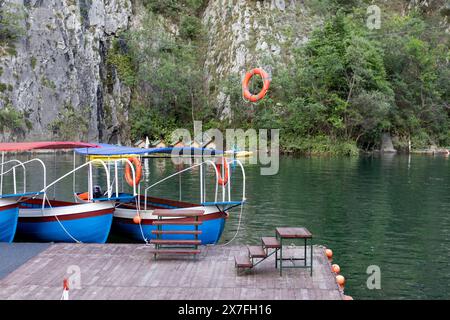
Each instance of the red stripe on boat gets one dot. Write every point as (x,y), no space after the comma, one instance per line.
(9,206)
(66,217)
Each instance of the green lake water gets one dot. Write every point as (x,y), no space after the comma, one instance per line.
(390,211)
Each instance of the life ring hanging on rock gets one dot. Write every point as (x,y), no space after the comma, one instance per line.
(245,85)
(137,169)
(222,180)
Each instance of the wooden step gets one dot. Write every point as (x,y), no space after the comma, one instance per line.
(270,242)
(177,213)
(176,232)
(176,242)
(256,252)
(179,223)
(175,251)
(243,262)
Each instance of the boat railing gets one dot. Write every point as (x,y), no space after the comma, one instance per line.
(226,190)
(90,179)
(13,169)
(116,176)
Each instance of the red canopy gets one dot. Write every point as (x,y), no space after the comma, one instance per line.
(26,146)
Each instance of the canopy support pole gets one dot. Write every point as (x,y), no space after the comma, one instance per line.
(1,177)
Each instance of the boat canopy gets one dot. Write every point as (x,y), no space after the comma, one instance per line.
(111,150)
(52,145)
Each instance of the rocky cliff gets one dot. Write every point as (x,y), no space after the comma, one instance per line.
(55,75)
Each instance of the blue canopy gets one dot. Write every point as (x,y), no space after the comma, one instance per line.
(111,150)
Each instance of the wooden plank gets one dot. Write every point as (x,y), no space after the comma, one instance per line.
(176,223)
(180,242)
(293,233)
(243,262)
(178,213)
(256,252)
(175,251)
(193,232)
(270,242)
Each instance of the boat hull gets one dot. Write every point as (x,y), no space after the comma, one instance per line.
(213,223)
(65,222)
(9,213)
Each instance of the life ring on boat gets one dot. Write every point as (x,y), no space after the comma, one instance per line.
(266,80)
(138,171)
(222,180)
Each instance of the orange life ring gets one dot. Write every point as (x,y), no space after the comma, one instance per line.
(222,181)
(138,172)
(266,79)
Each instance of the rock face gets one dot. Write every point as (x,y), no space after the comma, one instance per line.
(58,70)
(244,34)
(386,144)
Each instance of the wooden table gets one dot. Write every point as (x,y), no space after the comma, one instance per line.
(294,234)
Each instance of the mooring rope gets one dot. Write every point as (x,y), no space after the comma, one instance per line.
(237,230)
(56,217)
(138,208)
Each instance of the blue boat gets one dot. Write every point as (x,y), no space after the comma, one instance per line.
(62,221)
(9,213)
(211,227)
(44,220)
(135,217)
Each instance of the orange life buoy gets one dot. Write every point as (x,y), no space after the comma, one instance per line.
(138,172)
(222,180)
(266,79)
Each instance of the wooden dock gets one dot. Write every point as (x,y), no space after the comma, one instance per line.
(128,271)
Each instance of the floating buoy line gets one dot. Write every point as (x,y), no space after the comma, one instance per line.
(336,269)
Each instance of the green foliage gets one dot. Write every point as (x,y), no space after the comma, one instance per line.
(417,61)
(190,28)
(69,124)
(172,8)
(121,60)
(33,62)
(168,78)
(11,29)
(14,121)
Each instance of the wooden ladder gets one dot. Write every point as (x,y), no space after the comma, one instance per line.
(177,246)
(268,247)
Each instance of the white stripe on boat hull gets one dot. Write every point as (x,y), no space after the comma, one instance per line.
(64,210)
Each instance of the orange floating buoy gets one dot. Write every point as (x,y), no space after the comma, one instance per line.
(336,268)
(137,219)
(340,281)
(329,253)
(348,297)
